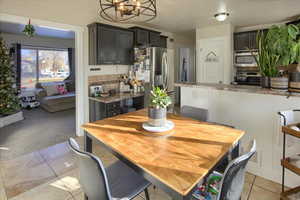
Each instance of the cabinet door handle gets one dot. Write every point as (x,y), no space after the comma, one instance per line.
(108,62)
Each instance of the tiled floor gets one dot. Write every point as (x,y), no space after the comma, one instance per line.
(51,174)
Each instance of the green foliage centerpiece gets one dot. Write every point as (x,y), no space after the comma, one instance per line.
(159,101)
(9,101)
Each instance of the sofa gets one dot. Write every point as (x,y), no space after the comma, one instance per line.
(51,100)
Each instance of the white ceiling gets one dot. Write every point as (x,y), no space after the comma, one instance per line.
(178,16)
(185,15)
(7,27)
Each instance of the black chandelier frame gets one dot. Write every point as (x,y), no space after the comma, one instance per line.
(145,7)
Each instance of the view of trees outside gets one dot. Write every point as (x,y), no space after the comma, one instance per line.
(52,66)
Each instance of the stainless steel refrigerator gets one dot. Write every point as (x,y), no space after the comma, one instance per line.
(155,61)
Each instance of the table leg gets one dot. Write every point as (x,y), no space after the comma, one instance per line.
(88,148)
(87,143)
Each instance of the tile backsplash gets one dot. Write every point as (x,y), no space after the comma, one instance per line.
(107,81)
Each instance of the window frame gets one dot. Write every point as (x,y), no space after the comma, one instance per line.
(40,48)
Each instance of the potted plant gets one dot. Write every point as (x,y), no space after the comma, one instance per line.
(266,61)
(283,41)
(159,101)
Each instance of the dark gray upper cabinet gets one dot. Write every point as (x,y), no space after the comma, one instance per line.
(145,37)
(245,40)
(252,40)
(141,36)
(163,41)
(154,39)
(125,47)
(107,45)
(110,45)
(241,41)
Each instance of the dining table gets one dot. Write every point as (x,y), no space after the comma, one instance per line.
(174,161)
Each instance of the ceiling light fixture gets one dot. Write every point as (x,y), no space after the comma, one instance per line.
(128,10)
(221,16)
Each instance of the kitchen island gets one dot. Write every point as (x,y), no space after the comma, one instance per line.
(254,110)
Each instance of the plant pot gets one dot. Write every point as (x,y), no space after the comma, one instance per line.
(157,116)
(294,85)
(280,83)
(265,82)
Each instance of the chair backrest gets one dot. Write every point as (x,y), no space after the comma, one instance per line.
(233,180)
(194,113)
(93,178)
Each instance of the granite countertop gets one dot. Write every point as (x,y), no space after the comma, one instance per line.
(238,88)
(116,97)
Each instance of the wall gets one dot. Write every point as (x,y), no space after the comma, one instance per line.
(38,41)
(78,14)
(216,31)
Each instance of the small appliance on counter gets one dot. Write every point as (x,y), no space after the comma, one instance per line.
(245,59)
(96,90)
(246,69)
(247,78)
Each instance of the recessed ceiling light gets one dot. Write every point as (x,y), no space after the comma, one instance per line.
(221,16)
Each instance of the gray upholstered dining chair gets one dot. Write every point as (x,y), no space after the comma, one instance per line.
(201,114)
(194,113)
(233,179)
(116,182)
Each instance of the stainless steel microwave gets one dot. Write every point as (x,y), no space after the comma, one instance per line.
(245,59)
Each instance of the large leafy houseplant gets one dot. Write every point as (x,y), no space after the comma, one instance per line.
(284,41)
(159,101)
(265,59)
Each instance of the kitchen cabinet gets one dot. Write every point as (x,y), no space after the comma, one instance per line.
(125,47)
(110,45)
(252,40)
(163,41)
(245,40)
(141,36)
(107,45)
(241,41)
(100,110)
(154,39)
(145,37)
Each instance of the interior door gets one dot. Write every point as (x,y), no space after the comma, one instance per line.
(211,60)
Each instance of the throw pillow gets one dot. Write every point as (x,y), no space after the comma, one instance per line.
(51,90)
(61,89)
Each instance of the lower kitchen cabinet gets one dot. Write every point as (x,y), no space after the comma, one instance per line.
(100,110)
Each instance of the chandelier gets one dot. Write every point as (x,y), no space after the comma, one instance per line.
(128,10)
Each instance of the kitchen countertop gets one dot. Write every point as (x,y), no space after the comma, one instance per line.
(238,88)
(116,97)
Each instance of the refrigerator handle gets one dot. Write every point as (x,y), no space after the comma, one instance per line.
(165,70)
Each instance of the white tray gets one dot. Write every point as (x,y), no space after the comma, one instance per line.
(169,126)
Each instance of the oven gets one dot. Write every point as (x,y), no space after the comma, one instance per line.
(245,59)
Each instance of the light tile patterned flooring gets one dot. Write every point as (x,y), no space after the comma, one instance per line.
(52,174)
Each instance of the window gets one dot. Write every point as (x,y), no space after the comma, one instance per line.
(43,65)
